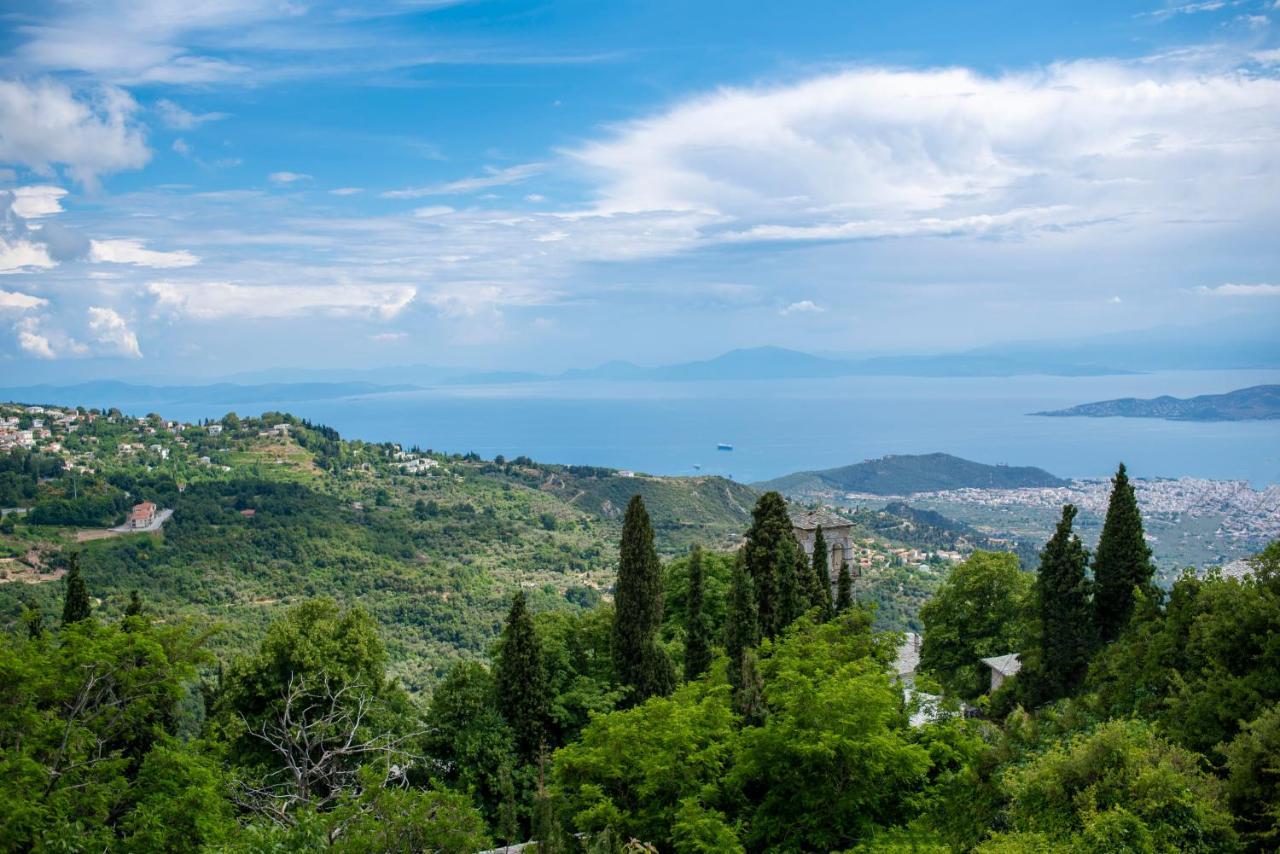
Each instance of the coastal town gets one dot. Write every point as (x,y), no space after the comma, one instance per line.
(1190,521)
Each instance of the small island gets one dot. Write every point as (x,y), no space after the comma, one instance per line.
(1261,402)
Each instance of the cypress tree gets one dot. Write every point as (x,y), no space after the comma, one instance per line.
(639,662)
(741,629)
(75,607)
(771,560)
(821,594)
(697,645)
(134,608)
(844,589)
(748,699)
(1064,615)
(1122,561)
(520,681)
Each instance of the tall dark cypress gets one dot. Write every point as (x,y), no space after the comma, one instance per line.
(771,557)
(1122,561)
(1064,615)
(75,607)
(520,681)
(821,576)
(844,589)
(640,663)
(134,608)
(741,629)
(697,645)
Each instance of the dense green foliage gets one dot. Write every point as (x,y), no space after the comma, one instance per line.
(978,612)
(133,726)
(697,643)
(1122,561)
(1117,788)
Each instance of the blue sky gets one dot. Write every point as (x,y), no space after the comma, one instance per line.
(202,188)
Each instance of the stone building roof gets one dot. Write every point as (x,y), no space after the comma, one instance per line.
(1005,665)
(808,520)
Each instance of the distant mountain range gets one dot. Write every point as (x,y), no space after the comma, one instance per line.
(908,474)
(779,363)
(1260,402)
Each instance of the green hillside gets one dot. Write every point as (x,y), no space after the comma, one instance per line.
(907,474)
(273,519)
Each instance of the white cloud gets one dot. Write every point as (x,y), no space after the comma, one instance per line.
(141,41)
(134,252)
(804,306)
(389,337)
(43,124)
(287,177)
(1230,290)
(216,300)
(112,333)
(471,299)
(346,191)
(177,118)
(181,146)
(1188,9)
(492,177)
(32,341)
(432,211)
(19,255)
(20,302)
(882,152)
(37,201)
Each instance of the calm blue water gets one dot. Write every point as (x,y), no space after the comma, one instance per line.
(778,427)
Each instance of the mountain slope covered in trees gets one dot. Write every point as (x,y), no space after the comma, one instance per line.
(906,474)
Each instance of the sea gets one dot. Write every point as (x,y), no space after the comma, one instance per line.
(776,427)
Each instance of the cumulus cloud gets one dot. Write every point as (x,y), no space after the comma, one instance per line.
(22,255)
(804,306)
(287,177)
(346,191)
(44,124)
(135,252)
(32,341)
(112,334)
(216,300)
(876,152)
(14,301)
(1231,290)
(492,177)
(37,201)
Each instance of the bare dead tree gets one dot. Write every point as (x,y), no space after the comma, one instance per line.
(319,734)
